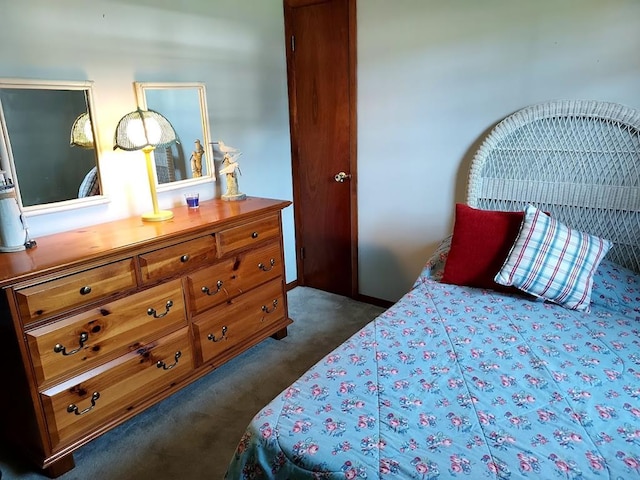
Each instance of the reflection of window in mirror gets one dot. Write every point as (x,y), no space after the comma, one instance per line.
(36,121)
(185,106)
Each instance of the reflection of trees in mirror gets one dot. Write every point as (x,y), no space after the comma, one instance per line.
(38,123)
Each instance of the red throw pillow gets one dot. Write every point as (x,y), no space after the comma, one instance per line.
(480,244)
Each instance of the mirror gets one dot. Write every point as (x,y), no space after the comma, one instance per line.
(36,123)
(185,106)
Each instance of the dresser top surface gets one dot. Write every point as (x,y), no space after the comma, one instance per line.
(60,250)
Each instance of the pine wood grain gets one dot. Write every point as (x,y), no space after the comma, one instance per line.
(88,314)
(58,251)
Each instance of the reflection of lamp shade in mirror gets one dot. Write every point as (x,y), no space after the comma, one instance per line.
(81,132)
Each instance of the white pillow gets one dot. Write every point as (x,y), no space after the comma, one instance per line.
(553,261)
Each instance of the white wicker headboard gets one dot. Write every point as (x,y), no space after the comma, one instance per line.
(578,160)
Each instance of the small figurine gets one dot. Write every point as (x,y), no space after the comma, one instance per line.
(231,169)
(196,160)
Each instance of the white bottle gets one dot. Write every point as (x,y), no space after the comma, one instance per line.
(13,234)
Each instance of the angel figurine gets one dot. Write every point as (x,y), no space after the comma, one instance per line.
(231,170)
(196,160)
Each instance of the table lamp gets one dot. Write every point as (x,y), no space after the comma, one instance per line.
(146,130)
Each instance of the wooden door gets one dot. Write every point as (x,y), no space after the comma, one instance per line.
(320,36)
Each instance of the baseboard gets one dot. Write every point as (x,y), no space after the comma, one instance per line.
(378,302)
(373,301)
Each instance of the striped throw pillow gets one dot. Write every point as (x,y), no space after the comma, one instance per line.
(89,185)
(553,261)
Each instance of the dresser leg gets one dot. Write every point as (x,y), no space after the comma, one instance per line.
(59,467)
(280,334)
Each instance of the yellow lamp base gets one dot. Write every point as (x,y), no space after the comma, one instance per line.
(159,216)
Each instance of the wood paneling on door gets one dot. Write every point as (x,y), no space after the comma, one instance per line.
(321,71)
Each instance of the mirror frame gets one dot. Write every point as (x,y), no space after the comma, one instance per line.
(141,88)
(7,161)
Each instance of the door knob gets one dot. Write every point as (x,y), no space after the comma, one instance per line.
(341,177)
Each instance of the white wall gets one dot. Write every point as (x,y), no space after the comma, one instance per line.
(434,76)
(235,47)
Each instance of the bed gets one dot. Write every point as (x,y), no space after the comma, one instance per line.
(471,377)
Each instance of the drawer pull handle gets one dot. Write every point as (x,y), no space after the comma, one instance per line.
(152,311)
(213,338)
(84,336)
(73,408)
(184,258)
(164,366)
(206,290)
(265,309)
(254,235)
(85,290)
(264,268)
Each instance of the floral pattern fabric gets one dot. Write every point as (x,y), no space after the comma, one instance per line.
(456,382)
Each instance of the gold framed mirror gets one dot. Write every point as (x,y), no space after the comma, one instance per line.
(50,170)
(185,105)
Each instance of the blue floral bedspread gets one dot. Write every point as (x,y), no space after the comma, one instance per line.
(457,382)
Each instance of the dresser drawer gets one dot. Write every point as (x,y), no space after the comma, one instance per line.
(48,298)
(233,276)
(227,326)
(175,259)
(248,234)
(86,402)
(83,340)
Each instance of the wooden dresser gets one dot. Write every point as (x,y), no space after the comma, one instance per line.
(100,323)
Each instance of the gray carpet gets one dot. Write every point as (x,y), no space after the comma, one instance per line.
(193,433)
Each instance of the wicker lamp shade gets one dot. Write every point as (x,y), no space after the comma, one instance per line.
(81,132)
(143,128)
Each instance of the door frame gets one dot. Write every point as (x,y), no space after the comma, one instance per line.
(289,5)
